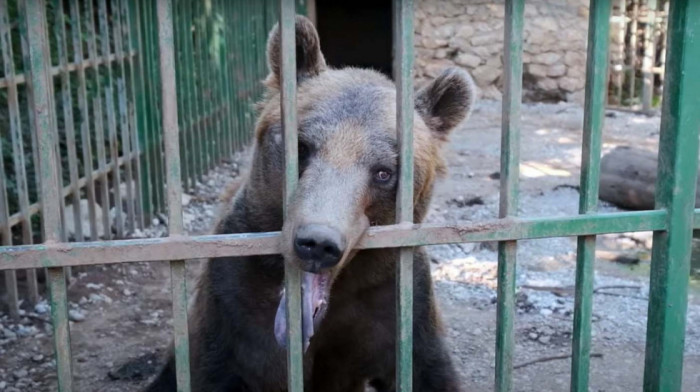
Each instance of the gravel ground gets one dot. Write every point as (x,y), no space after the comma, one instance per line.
(121,314)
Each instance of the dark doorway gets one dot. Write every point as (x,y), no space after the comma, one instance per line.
(356,33)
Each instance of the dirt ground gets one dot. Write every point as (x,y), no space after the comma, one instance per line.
(122,313)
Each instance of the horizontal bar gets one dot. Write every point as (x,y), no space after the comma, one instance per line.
(72,67)
(35,208)
(392,236)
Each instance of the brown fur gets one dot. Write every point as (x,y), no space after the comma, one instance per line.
(347,124)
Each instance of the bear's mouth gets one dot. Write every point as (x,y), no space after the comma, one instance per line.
(315,290)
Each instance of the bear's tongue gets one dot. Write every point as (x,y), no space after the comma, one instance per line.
(315,289)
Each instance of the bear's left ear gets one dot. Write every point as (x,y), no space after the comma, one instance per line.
(446,101)
(310,61)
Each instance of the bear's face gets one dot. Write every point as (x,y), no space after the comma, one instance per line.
(348,160)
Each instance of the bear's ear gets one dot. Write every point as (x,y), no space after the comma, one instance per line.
(446,101)
(310,61)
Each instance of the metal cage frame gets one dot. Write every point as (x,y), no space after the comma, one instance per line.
(672,222)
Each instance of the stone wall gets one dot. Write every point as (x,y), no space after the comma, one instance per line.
(469,34)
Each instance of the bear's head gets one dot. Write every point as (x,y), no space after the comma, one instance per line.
(348,160)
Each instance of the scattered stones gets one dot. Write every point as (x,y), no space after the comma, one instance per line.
(76,315)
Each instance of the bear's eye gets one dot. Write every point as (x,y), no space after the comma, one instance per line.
(303,150)
(382,176)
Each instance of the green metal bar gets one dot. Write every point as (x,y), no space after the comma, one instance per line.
(179,73)
(98,118)
(178,273)
(510,176)
(45,128)
(292,274)
(224,73)
(214,86)
(5,228)
(69,123)
(248,61)
(192,130)
(19,163)
(403,70)
(142,111)
(154,146)
(393,236)
(79,58)
(596,94)
(205,132)
(126,27)
(124,126)
(111,116)
(225,98)
(199,89)
(675,192)
(237,71)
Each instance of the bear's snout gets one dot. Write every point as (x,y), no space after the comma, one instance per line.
(318,247)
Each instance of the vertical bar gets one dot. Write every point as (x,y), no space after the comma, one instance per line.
(78,59)
(142,109)
(123,117)
(193,92)
(199,89)
(619,77)
(154,146)
(18,161)
(292,274)
(188,87)
(6,237)
(510,174)
(98,118)
(135,153)
(594,113)
(403,69)
(45,126)
(675,192)
(69,124)
(237,72)
(633,51)
(111,117)
(174,189)
(204,58)
(649,56)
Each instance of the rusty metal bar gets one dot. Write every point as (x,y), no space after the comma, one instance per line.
(393,236)
(134,142)
(19,168)
(111,119)
(403,71)
(20,79)
(675,192)
(45,128)
(98,119)
(69,123)
(124,124)
(6,239)
(171,138)
(509,191)
(78,58)
(292,273)
(594,113)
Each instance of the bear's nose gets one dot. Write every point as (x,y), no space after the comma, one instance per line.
(318,247)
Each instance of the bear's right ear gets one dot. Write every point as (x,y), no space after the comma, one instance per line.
(446,101)
(310,61)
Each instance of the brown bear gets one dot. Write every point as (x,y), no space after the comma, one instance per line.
(347,182)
